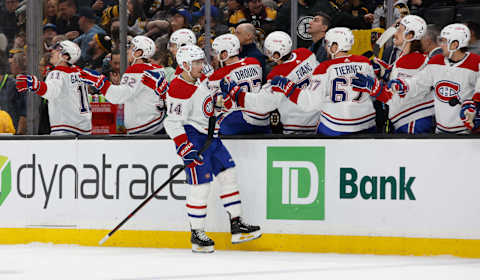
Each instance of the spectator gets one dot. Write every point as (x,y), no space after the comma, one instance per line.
(49,32)
(246,35)
(429,41)
(88,26)
(6,124)
(216,27)
(232,7)
(8,20)
(257,14)
(20,40)
(353,14)
(99,47)
(16,59)
(474,46)
(317,29)
(67,20)
(161,58)
(12,102)
(50,11)
(44,123)
(112,69)
(179,18)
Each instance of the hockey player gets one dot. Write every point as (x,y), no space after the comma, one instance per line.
(296,65)
(144,109)
(68,106)
(414,113)
(190,104)
(343,110)
(247,73)
(454,76)
(181,38)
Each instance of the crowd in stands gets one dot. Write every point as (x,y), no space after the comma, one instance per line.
(94,25)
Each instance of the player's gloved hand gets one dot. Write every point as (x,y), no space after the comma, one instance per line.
(372,86)
(284,85)
(231,91)
(95,79)
(30,82)
(381,68)
(156,80)
(398,86)
(187,151)
(468,114)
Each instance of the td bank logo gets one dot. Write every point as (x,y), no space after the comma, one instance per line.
(295,183)
(5,178)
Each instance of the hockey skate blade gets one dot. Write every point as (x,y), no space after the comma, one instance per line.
(244,237)
(202,249)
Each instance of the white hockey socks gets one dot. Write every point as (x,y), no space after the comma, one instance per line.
(197,205)
(230,195)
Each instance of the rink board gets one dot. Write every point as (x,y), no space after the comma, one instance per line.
(396,196)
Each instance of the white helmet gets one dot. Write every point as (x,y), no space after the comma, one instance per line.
(183,37)
(228,43)
(145,44)
(456,32)
(277,42)
(414,24)
(188,54)
(71,49)
(342,36)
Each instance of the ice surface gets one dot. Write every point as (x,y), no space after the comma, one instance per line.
(47,261)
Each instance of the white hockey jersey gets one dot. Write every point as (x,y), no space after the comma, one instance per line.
(247,73)
(68,106)
(144,109)
(188,104)
(459,80)
(342,109)
(413,106)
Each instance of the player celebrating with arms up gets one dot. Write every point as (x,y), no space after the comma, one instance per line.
(190,104)
(68,106)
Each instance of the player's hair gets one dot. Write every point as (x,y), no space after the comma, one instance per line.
(474,29)
(416,46)
(433,31)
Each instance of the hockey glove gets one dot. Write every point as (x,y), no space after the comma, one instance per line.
(398,86)
(372,86)
(95,79)
(468,114)
(186,150)
(30,82)
(156,80)
(381,68)
(285,86)
(231,91)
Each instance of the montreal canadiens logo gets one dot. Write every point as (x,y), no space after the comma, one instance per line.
(303,24)
(446,90)
(208,106)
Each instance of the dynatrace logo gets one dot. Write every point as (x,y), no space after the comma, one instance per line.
(5,178)
(296,183)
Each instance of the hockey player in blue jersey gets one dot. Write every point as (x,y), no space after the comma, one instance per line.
(190,104)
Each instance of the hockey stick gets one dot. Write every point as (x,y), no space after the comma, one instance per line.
(211,129)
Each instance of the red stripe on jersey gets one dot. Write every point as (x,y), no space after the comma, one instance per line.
(257,114)
(180,139)
(224,71)
(181,89)
(438,59)
(299,126)
(323,67)
(339,119)
(67,69)
(411,108)
(178,71)
(471,62)
(229,195)
(452,127)
(284,69)
(197,207)
(411,61)
(140,126)
(139,68)
(69,126)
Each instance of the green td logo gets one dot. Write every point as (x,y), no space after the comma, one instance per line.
(5,178)
(296,183)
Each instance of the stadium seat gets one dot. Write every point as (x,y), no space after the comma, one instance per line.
(468,13)
(440,15)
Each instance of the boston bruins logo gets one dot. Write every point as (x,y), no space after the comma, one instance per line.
(302,26)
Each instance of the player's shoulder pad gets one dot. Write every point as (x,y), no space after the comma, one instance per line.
(67,69)
(156,66)
(250,61)
(323,67)
(178,70)
(285,68)
(224,71)
(471,62)
(302,53)
(139,68)
(411,61)
(180,89)
(438,59)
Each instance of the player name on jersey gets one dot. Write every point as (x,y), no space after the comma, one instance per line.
(348,69)
(246,73)
(304,70)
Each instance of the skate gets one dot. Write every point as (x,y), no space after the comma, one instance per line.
(243,232)
(201,243)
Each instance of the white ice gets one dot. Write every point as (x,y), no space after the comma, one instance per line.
(47,261)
